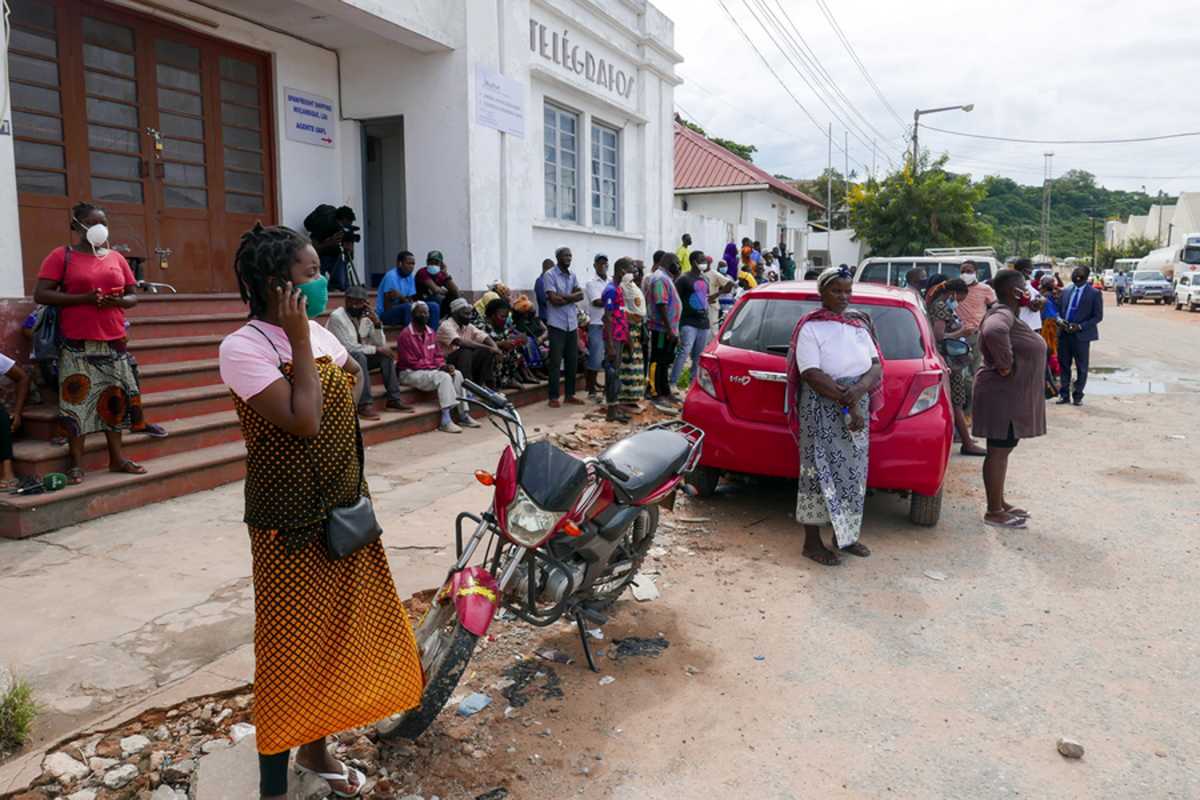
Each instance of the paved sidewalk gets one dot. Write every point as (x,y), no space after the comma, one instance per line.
(105,616)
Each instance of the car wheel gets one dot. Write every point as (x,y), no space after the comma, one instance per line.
(1158,302)
(704,480)
(925,509)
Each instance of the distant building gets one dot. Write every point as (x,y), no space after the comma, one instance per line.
(1166,225)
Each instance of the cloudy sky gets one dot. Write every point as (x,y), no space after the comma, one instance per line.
(1053,69)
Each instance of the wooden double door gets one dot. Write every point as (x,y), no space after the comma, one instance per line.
(167,130)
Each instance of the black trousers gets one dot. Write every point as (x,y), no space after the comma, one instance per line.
(1072,348)
(662,355)
(476,364)
(6,437)
(564,357)
(273,773)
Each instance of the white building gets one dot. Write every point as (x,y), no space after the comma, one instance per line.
(721,198)
(492,131)
(1165,224)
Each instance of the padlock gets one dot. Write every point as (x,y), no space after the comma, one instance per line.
(162,263)
(158,145)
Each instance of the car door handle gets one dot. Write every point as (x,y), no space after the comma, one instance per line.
(763,375)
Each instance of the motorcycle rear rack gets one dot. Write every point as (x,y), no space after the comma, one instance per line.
(691,433)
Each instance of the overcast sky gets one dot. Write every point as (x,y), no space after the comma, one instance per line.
(1053,69)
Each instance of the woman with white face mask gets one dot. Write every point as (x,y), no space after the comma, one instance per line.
(92,286)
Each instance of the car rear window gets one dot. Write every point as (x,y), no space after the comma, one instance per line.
(875,273)
(878,272)
(766,325)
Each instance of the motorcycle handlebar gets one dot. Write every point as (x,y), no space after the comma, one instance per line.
(493,399)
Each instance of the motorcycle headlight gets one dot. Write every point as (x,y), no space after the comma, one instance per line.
(528,524)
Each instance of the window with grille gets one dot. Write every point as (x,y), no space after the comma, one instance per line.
(605,180)
(35,84)
(561,143)
(242,136)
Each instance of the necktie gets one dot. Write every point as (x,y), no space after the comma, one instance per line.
(1074,304)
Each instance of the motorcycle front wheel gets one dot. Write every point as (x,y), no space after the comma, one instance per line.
(446,648)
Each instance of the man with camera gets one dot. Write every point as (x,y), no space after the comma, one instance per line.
(334,235)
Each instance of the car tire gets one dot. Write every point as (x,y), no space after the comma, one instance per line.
(1158,302)
(704,480)
(925,509)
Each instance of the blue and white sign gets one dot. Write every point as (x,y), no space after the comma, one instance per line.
(308,118)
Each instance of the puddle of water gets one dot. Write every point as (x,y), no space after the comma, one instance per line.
(1123,381)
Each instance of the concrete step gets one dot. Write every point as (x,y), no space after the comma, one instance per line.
(179,375)
(170,305)
(165,326)
(173,349)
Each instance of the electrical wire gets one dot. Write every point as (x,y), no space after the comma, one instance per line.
(833,23)
(1129,140)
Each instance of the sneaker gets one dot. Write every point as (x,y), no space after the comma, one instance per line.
(466,421)
(574,401)
(155,431)
(449,427)
(366,412)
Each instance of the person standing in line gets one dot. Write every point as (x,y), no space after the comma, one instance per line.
(917,281)
(787,264)
(1051,316)
(423,367)
(616,339)
(333,647)
(684,251)
(1031,312)
(593,292)
(1081,311)
(730,259)
(539,291)
(633,374)
(719,286)
(664,310)
(833,372)
(693,319)
(562,293)
(647,361)
(1008,403)
(944,300)
(970,311)
(1120,285)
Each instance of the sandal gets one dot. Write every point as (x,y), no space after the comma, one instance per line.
(8,484)
(335,777)
(128,467)
(75,476)
(1018,512)
(1010,521)
(857,549)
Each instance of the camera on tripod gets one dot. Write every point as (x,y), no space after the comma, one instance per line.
(325,221)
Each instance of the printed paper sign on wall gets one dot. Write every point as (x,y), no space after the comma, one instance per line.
(499,102)
(308,118)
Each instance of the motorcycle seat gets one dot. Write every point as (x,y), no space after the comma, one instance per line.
(648,459)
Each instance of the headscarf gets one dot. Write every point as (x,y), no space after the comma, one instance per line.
(749,278)
(731,256)
(935,285)
(635,300)
(481,303)
(522,304)
(855,319)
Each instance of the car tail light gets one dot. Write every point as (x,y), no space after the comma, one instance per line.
(923,392)
(709,377)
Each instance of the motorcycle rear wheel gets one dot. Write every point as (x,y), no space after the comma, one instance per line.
(634,547)
(446,649)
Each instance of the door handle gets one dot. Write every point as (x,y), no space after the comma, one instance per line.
(764,375)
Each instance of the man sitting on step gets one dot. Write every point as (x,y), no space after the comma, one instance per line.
(359,331)
(423,367)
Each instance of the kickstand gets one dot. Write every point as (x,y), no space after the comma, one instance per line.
(583,638)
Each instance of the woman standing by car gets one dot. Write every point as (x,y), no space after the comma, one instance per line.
(1008,403)
(833,365)
(333,647)
(941,305)
(92,286)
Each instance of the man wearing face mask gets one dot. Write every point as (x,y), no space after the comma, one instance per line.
(719,287)
(360,332)
(970,312)
(1082,310)
(1031,304)
(434,284)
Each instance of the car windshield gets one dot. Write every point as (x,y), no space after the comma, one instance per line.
(877,272)
(766,325)
(1148,276)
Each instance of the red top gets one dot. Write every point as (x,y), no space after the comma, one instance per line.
(86,273)
(418,351)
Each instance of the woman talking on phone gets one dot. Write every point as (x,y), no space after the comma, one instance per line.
(333,648)
(92,287)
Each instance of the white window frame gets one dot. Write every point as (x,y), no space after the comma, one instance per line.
(597,180)
(560,212)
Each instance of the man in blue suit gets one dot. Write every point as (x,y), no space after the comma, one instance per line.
(1078,326)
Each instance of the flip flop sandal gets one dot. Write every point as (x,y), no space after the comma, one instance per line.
(128,467)
(333,777)
(1013,522)
(75,476)
(1018,512)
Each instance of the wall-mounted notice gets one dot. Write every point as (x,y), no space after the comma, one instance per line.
(499,102)
(308,118)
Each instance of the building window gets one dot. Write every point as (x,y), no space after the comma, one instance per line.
(605,157)
(561,141)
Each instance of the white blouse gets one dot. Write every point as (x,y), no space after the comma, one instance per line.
(838,350)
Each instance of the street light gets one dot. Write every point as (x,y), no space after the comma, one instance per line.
(917,124)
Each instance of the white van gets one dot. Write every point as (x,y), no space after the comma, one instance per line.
(892,271)
(1187,290)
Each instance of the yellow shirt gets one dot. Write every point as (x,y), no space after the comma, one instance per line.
(682,253)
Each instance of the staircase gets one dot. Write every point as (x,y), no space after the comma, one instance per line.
(175,340)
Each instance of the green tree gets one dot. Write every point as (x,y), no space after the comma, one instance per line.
(903,215)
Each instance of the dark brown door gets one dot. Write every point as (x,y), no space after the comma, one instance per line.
(167,130)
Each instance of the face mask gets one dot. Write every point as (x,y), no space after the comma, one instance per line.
(1023,299)
(627,277)
(1079,281)
(969,278)
(316,295)
(96,235)
(433,269)
(356,312)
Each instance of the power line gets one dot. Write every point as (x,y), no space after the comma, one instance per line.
(1065,141)
(775,74)
(858,62)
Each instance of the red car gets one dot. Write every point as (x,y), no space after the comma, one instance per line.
(738,397)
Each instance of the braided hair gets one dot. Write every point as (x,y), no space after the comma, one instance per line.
(81,210)
(264,262)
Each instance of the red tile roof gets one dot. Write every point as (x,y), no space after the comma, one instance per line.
(701,164)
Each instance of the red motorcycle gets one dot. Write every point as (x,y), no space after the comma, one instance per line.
(565,536)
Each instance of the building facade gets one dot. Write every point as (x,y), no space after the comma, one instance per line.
(492,130)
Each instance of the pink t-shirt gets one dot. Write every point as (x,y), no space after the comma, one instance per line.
(249,364)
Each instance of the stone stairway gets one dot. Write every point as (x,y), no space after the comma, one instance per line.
(175,339)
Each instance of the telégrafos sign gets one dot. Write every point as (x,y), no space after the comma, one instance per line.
(559,49)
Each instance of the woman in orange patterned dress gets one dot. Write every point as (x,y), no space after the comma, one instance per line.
(332,643)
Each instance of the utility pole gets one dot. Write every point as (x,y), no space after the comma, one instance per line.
(916,147)
(872,159)
(1046,205)
(846,177)
(1158,239)
(829,192)
(1091,212)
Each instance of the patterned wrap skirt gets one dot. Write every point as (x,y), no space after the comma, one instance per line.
(633,373)
(97,388)
(833,464)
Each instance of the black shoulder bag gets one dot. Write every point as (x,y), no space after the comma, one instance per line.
(47,334)
(350,528)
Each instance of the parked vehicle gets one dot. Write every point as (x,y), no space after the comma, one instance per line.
(943,261)
(1175,259)
(1150,285)
(1187,290)
(1109,276)
(740,391)
(565,536)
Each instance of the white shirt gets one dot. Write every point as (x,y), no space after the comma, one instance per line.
(361,337)
(6,364)
(592,291)
(1029,316)
(716,282)
(838,350)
